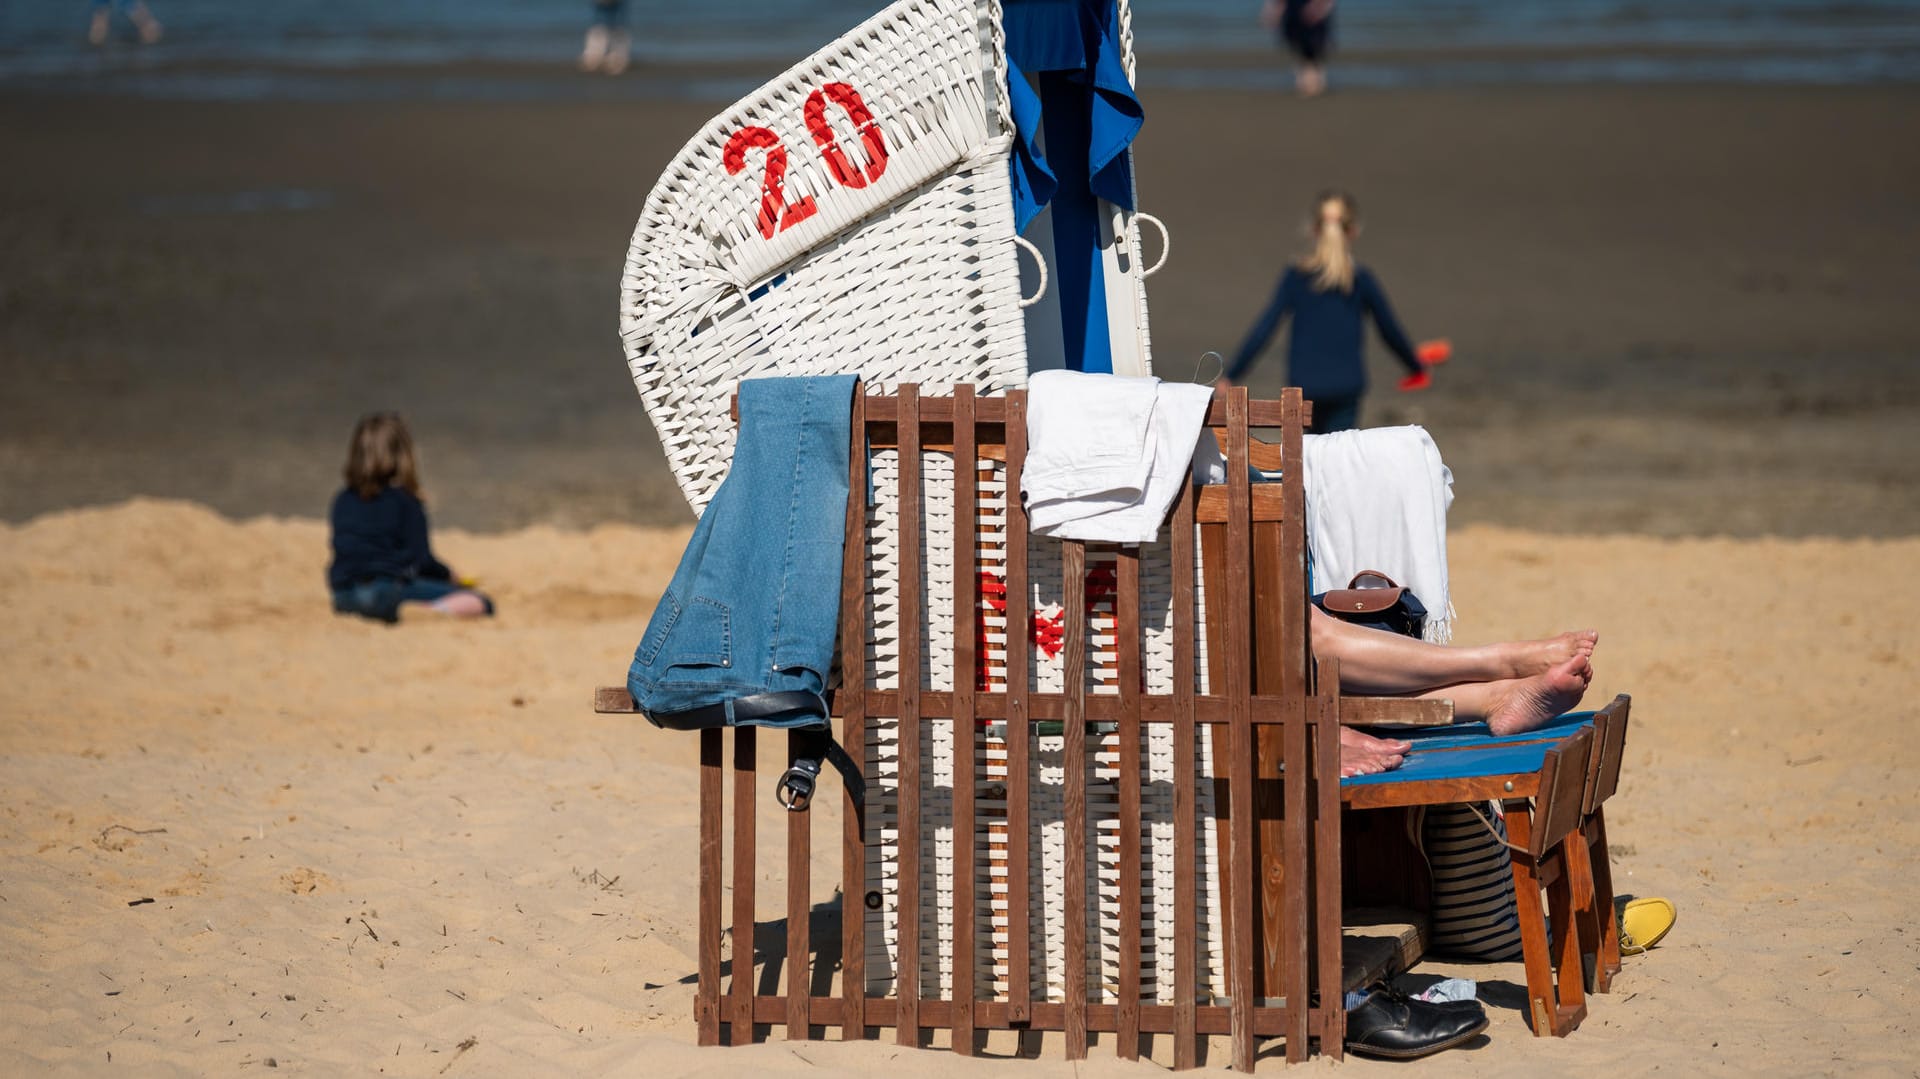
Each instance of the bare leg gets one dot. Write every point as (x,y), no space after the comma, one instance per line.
(1310,80)
(1518,705)
(1376,662)
(593,51)
(145,23)
(619,52)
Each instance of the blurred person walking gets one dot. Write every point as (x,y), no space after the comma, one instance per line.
(144,24)
(1330,295)
(608,46)
(1306,27)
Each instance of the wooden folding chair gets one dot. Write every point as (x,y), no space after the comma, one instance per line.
(1550,783)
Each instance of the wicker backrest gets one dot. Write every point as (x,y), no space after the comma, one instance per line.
(854,214)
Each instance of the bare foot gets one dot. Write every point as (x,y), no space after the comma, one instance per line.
(1524,659)
(1364,755)
(1530,702)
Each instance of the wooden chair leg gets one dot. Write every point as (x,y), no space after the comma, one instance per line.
(1576,854)
(1533,924)
(1563,890)
(1607,960)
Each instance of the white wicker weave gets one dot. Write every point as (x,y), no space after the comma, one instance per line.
(911,276)
(931,616)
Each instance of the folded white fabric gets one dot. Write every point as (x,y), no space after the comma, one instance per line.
(1106,455)
(1377,499)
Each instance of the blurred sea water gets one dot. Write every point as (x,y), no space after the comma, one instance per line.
(254,49)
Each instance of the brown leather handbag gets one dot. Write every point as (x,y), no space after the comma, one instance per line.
(1373,599)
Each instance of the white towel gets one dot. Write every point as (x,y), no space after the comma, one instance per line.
(1377,499)
(1106,454)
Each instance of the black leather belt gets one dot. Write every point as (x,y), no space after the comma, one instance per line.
(749,711)
(812,742)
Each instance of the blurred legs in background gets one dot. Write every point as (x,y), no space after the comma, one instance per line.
(144,24)
(608,46)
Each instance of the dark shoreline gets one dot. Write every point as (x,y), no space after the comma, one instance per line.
(1260,66)
(1678,310)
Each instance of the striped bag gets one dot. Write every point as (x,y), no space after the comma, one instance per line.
(1474,914)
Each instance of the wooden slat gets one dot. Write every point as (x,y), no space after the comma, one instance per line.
(799,910)
(614,700)
(1563,779)
(1186,848)
(741,1015)
(993,1015)
(1613,750)
(881,408)
(1292,601)
(1394,712)
(912,609)
(1439,791)
(1293,549)
(1074,792)
(1294,902)
(851,700)
(1269,504)
(1535,954)
(706,999)
(1158,708)
(1327,908)
(1019,733)
(1607,963)
(1132,775)
(1271,644)
(966,610)
(1237,644)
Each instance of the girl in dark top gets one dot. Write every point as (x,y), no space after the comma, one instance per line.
(1329,295)
(381,557)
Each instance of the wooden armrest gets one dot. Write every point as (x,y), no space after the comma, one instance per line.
(1394,712)
(614,700)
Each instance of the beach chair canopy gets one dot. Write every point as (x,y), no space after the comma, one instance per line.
(1076,121)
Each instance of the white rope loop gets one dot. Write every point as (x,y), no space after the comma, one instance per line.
(1166,243)
(1038,261)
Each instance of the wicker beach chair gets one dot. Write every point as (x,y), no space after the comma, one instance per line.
(855,214)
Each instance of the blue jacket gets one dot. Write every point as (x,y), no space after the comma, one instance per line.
(1324,354)
(380,537)
(755,603)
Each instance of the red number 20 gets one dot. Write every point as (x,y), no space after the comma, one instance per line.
(849,99)
(774,206)
(776,213)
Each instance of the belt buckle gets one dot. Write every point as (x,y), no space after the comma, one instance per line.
(795,789)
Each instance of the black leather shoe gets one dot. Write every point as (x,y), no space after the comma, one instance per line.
(1390,1024)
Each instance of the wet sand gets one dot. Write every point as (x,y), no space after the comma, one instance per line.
(1677,310)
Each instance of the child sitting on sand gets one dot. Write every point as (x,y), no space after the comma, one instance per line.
(381,557)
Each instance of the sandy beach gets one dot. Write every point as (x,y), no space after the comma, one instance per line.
(1682,413)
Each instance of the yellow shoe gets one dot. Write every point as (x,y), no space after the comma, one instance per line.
(1643,922)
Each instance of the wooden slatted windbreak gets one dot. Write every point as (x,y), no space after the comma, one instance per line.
(1284,830)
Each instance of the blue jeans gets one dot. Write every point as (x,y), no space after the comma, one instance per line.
(755,603)
(380,598)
